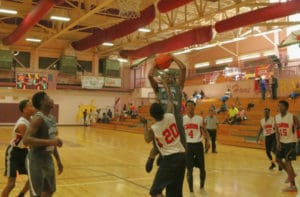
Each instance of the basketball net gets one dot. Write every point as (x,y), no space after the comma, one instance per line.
(129,9)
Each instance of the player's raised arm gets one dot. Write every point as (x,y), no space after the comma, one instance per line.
(153,82)
(182,68)
(148,133)
(170,105)
(29,138)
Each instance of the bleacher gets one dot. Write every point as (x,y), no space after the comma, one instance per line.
(243,135)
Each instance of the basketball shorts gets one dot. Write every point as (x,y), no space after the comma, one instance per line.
(287,152)
(195,155)
(169,176)
(41,173)
(15,161)
(270,143)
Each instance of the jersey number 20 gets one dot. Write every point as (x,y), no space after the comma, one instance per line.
(171,133)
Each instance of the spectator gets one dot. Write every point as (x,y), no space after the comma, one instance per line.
(124,109)
(84,117)
(196,96)
(223,108)
(274,87)
(228,93)
(211,124)
(241,115)
(212,108)
(262,85)
(109,114)
(105,118)
(184,95)
(202,94)
(232,115)
(91,115)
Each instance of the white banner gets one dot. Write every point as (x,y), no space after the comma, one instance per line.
(92,82)
(113,82)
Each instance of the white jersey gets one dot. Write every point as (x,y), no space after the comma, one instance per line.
(17,140)
(268,126)
(192,128)
(285,127)
(167,138)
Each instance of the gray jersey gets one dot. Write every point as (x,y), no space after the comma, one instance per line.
(46,131)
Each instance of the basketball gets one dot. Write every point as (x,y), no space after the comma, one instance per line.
(163,61)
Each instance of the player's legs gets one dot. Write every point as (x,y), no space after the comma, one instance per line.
(11,181)
(190,163)
(175,188)
(151,158)
(269,146)
(200,155)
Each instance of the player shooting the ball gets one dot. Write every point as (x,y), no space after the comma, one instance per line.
(176,85)
(166,137)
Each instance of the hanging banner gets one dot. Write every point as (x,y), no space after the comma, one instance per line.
(92,82)
(113,82)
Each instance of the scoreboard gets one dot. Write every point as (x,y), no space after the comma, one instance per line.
(35,81)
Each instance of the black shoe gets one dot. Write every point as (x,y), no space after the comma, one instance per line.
(272,166)
(280,168)
(215,152)
(149,165)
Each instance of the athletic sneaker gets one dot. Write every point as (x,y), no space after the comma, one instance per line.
(215,152)
(203,192)
(272,166)
(149,165)
(290,189)
(192,194)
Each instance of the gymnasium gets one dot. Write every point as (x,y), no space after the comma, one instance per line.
(93,58)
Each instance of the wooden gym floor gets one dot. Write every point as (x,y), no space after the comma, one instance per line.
(106,163)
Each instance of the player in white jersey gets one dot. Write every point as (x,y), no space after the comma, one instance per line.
(286,136)
(267,128)
(164,132)
(195,134)
(16,152)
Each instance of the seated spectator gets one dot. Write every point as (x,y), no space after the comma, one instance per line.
(295,93)
(232,115)
(202,94)
(105,118)
(241,115)
(196,96)
(109,114)
(212,108)
(250,106)
(223,108)
(228,93)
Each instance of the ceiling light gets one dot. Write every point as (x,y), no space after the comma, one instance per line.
(7,11)
(233,40)
(122,60)
(33,40)
(202,65)
(224,61)
(146,30)
(250,56)
(268,53)
(204,47)
(182,52)
(60,18)
(109,44)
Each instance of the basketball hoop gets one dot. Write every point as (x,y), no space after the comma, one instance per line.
(129,9)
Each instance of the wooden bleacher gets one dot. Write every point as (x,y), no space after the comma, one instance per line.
(243,135)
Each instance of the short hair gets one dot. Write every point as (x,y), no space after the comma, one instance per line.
(190,101)
(157,112)
(37,98)
(23,104)
(267,109)
(284,103)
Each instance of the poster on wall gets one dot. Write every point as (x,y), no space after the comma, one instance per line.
(35,81)
(113,82)
(92,82)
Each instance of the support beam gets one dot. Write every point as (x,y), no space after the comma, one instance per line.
(80,19)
